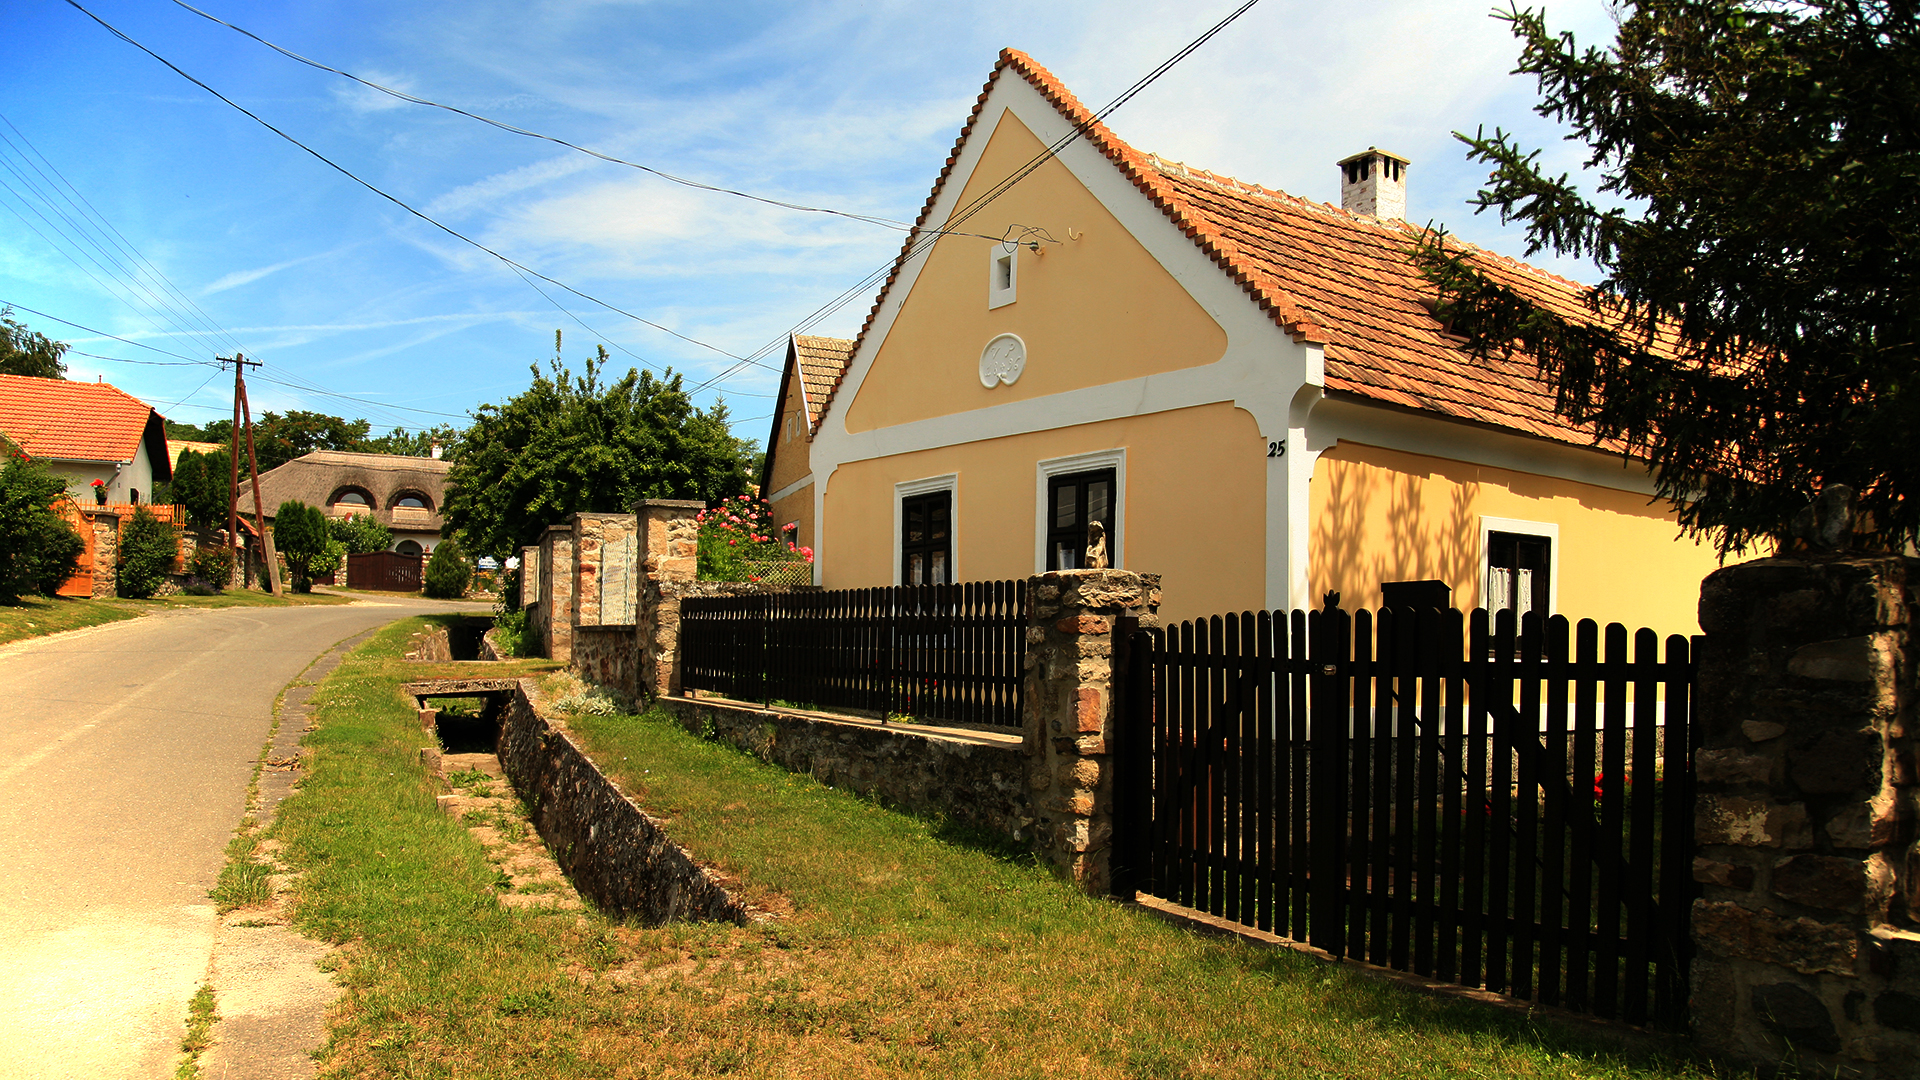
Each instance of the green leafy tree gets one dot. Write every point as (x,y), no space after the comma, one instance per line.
(29,352)
(200,483)
(38,550)
(415,443)
(361,534)
(300,533)
(1756,336)
(570,444)
(448,572)
(148,547)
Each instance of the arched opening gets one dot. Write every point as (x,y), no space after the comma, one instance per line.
(350,501)
(411,500)
(407,547)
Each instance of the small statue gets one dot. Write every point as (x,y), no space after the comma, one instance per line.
(1096,546)
(1826,524)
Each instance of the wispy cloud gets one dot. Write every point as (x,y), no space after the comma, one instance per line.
(247,277)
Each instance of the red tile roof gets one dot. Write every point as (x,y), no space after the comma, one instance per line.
(1325,275)
(822,361)
(73,421)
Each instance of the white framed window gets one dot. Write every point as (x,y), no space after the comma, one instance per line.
(1003,275)
(1068,493)
(926,530)
(1519,565)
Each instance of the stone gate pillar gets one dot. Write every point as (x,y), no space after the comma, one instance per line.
(556,592)
(1076,618)
(670,564)
(1805,943)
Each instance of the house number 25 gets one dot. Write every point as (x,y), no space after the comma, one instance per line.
(1277,449)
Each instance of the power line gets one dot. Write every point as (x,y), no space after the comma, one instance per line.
(923,239)
(342,170)
(101,333)
(503,126)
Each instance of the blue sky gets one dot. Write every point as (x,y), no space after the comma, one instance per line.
(848,105)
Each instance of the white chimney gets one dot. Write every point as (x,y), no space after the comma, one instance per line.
(1374,183)
(436,450)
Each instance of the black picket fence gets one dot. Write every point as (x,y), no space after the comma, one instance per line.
(938,653)
(1427,791)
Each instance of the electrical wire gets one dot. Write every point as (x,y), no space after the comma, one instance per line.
(102,333)
(922,240)
(342,170)
(503,126)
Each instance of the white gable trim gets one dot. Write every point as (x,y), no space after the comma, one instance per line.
(1262,369)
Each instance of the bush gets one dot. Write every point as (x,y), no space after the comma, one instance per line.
(739,542)
(148,547)
(38,550)
(212,564)
(510,631)
(447,572)
(300,533)
(361,533)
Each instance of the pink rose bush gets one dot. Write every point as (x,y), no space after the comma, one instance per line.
(740,541)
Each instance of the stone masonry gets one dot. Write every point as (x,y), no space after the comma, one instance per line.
(1077,618)
(670,565)
(106,551)
(1806,944)
(556,592)
(603,565)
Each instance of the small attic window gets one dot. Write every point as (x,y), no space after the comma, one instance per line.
(1003,274)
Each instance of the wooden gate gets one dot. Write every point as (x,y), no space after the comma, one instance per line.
(81,583)
(1478,802)
(384,571)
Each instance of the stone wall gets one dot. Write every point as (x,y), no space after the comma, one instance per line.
(615,853)
(975,779)
(605,655)
(106,551)
(670,565)
(555,613)
(1805,931)
(1077,619)
(605,561)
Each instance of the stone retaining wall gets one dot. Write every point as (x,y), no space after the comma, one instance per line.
(975,780)
(615,853)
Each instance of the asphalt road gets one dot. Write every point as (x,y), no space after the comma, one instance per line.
(125,753)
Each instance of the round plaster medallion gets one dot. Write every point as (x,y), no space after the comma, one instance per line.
(1002,361)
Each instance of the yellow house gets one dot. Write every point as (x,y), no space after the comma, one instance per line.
(1246,389)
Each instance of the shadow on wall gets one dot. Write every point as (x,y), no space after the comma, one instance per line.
(1360,544)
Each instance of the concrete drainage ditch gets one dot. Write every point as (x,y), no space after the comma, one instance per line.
(494,733)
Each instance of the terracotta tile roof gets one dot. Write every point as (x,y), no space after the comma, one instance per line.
(1324,275)
(822,361)
(72,421)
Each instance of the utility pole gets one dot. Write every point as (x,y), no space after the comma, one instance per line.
(244,415)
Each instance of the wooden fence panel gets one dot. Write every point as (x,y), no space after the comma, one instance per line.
(1493,801)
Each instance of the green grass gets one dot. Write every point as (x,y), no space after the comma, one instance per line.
(201,1015)
(908,948)
(35,616)
(243,880)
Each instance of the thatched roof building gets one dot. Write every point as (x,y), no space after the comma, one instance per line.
(403,493)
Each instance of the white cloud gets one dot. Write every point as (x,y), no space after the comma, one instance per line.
(364,99)
(247,277)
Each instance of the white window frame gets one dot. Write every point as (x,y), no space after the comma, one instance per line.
(997,255)
(1547,529)
(1116,460)
(907,489)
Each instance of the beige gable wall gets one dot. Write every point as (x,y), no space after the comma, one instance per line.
(1387,515)
(1192,501)
(790,464)
(1099,309)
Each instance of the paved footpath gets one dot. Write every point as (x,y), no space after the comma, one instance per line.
(125,752)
